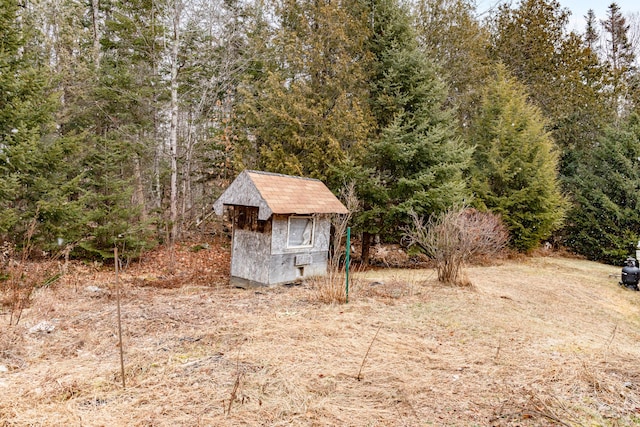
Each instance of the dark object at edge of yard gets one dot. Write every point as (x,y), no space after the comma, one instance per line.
(630,274)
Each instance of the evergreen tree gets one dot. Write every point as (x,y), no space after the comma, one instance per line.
(449,33)
(527,40)
(305,111)
(36,181)
(620,57)
(562,75)
(118,129)
(619,50)
(604,222)
(514,169)
(415,154)
(591,35)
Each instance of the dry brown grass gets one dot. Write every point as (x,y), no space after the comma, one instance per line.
(537,342)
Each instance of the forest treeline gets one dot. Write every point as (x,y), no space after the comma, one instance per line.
(122,121)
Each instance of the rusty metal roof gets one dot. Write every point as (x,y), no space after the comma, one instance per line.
(280,194)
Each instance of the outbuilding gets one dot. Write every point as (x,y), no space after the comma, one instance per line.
(281,227)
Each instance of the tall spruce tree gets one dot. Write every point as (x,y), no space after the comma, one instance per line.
(416,156)
(118,129)
(620,58)
(591,34)
(449,33)
(514,170)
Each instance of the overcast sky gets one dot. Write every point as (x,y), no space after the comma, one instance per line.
(578,9)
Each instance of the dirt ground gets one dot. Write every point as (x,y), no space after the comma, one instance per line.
(543,341)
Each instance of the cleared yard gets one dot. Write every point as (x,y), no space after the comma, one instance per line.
(535,342)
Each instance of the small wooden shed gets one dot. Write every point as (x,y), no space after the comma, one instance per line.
(281,227)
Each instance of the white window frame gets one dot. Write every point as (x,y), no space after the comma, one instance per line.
(313,231)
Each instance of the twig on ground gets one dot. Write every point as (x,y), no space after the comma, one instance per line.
(613,335)
(359,377)
(541,409)
(236,385)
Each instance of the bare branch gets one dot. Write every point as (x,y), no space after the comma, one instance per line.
(455,237)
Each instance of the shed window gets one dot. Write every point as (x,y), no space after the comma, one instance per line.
(300,231)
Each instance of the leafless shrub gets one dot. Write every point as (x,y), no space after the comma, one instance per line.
(331,288)
(19,278)
(455,237)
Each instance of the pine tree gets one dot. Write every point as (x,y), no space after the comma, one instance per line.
(514,169)
(619,50)
(560,72)
(118,129)
(449,33)
(591,35)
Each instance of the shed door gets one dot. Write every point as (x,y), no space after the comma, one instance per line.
(251,246)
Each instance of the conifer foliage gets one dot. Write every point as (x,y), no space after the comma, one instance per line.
(620,56)
(306,109)
(604,221)
(36,183)
(416,156)
(514,170)
(121,121)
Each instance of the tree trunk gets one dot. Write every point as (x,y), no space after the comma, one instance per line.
(366,246)
(137,198)
(95,17)
(173,132)
(159,142)
(187,198)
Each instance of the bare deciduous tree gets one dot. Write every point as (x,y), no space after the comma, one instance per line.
(457,236)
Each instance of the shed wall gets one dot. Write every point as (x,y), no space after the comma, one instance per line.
(263,258)
(290,264)
(250,256)
(280,228)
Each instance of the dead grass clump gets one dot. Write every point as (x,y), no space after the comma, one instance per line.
(19,276)
(67,390)
(549,409)
(11,347)
(388,291)
(332,288)
(19,279)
